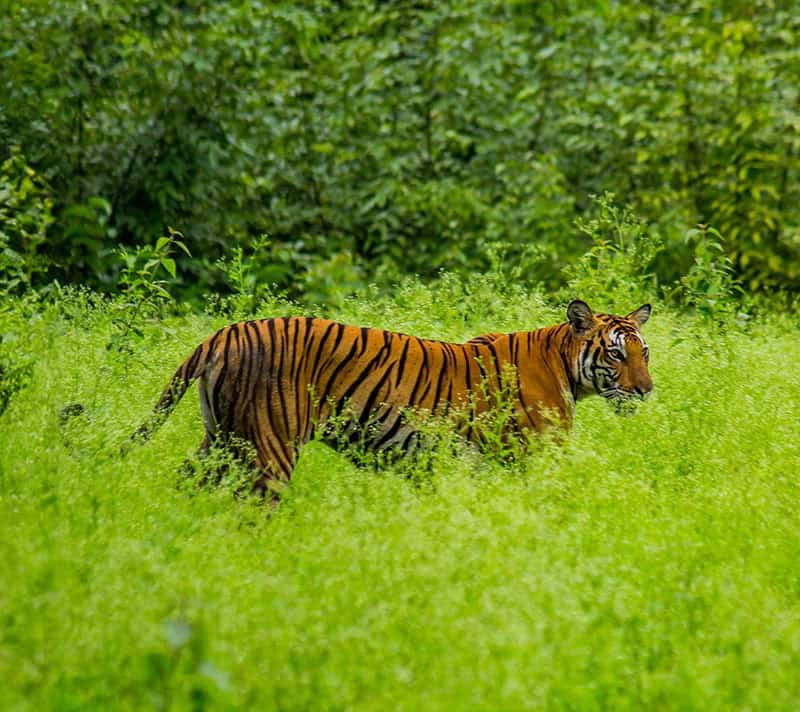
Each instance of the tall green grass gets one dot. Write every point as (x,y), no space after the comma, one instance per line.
(650,562)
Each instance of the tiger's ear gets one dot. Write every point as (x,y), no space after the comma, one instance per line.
(580,317)
(641,315)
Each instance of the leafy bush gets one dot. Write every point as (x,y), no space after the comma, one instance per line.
(25,216)
(399,137)
(709,287)
(143,294)
(619,262)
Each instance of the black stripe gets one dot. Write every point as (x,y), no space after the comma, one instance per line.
(428,384)
(372,365)
(246,357)
(364,340)
(295,354)
(337,370)
(315,361)
(392,431)
(548,339)
(218,384)
(453,370)
(407,441)
(412,400)
(236,386)
(333,354)
(525,409)
(496,365)
(271,329)
(214,339)
(370,401)
(437,393)
(387,345)
(449,400)
(279,380)
(303,399)
(467,361)
(479,361)
(254,346)
(383,411)
(401,363)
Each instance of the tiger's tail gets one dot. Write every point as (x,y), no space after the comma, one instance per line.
(186,374)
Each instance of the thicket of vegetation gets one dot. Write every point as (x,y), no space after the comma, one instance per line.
(649,562)
(368,139)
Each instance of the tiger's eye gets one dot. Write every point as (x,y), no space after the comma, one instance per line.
(616,354)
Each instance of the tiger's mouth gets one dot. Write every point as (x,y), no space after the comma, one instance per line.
(622,394)
(625,402)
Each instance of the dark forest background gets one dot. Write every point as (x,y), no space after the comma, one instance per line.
(349,143)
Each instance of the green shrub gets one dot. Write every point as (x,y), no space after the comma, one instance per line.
(402,137)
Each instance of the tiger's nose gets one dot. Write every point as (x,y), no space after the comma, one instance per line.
(645,388)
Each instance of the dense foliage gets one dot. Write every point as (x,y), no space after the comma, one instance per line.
(367,138)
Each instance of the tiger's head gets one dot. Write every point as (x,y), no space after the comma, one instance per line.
(613,356)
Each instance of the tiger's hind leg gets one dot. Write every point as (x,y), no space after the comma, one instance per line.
(222,461)
(264,466)
(222,451)
(244,422)
(274,473)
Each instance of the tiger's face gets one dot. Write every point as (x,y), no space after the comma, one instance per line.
(613,358)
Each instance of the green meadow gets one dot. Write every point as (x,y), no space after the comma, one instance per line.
(443,169)
(648,562)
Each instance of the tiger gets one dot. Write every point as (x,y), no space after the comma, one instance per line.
(275,383)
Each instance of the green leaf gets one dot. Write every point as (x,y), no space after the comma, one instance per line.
(169,264)
(182,247)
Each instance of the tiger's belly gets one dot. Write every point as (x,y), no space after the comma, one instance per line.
(386,429)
